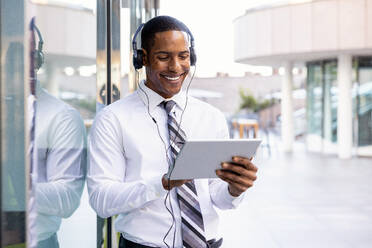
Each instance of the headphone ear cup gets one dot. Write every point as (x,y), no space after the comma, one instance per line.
(38,59)
(138,59)
(192,56)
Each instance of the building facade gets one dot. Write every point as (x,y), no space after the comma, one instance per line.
(333,39)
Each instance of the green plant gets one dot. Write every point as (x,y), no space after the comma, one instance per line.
(248,101)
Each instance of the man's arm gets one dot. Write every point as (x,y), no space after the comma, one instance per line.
(65,166)
(109,192)
(228,191)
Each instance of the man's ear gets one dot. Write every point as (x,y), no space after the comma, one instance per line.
(144,57)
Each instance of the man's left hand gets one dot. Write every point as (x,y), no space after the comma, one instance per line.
(239,174)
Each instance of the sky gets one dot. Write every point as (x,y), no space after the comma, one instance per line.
(211,23)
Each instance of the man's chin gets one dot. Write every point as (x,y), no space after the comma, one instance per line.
(171,91)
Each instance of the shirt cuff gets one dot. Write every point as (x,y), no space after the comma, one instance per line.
(235,200)
(156,187)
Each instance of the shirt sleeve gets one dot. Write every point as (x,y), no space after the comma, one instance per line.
(218,189)
(109,192)
(65,166)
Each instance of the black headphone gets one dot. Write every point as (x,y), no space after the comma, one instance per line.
(138,53)
(38,53)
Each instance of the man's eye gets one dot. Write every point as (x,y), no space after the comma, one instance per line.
(184,56)
(163,58)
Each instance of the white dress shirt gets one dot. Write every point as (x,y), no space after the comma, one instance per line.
(31,205)
(127,159)
(61,161)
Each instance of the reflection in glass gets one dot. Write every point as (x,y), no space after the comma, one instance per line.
(60,142)
(322,99)
(13,160)
(330,101)
(364,110)
(12,124)
(59,169)
(66,103)
(314,99)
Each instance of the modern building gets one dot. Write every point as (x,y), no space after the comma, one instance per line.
(333,40)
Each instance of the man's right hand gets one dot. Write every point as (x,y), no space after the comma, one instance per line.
(170,184)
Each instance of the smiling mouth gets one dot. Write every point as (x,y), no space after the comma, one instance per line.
(175,78)
(172,78)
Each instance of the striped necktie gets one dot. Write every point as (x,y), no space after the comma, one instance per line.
(192,220)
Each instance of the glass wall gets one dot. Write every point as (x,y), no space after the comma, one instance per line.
(364,100)
(330,101)
(44,127)
(12,125)
(314,98)
(322,99)
(65,90)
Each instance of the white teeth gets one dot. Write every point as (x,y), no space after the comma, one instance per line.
(172,78)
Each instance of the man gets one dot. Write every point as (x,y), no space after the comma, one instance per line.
(60,165)
(59,160)
(134,141)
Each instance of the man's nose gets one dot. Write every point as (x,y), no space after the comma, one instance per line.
(174,65)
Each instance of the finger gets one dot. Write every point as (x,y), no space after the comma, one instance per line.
(222,177)
(244,181)
(242,171)
(235,185)
(238,187)
(246,162)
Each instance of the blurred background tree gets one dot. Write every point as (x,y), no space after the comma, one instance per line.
(251,104)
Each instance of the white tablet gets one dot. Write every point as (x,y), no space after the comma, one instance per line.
(201,158)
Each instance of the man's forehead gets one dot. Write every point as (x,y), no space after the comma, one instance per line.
(171,36)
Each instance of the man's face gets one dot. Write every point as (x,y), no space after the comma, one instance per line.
(168,63)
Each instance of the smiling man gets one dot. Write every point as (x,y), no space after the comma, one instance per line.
(169,58)
(135,140)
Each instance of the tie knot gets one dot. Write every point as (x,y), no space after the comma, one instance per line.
(168,105)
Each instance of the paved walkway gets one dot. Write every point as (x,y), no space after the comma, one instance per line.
(304,200)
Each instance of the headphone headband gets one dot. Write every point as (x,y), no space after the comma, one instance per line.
(134,43)
(41,41)
(138,53)
(39,55)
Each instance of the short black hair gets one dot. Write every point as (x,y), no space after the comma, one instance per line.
(159,24)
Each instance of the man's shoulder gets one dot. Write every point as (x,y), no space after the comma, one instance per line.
(118,109)
(51,110)
(46,101)
(124,105)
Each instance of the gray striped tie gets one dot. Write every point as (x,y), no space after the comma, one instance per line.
(192,220)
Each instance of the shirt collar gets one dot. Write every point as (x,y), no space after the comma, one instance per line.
(152,98)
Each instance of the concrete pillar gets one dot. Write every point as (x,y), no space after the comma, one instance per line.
(344,111)
(287,108)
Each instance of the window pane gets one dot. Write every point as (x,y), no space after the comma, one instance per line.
(314,99)
(12,126)
(330,101)
(365,102)
(66,104)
